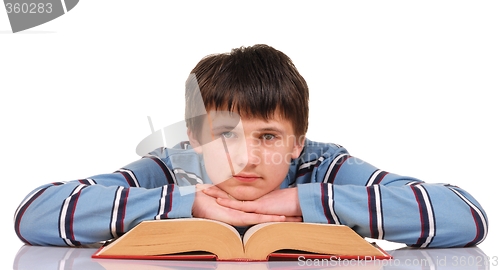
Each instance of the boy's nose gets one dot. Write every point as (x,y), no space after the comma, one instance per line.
(246,154)
(253,153)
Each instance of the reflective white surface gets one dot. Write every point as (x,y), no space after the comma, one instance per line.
(31,257)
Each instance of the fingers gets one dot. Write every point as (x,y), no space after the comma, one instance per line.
(201,187)
(206,206)
(293,219)
(246,219)
(245,206)
(252,219)
(252,215)
(215,192)
(216,204)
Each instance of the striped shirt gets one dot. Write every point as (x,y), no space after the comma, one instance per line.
(333,187)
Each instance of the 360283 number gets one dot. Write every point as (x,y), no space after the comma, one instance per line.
(28,8)
(470,261)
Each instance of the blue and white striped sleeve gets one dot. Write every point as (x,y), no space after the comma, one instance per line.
(382,205)
(102,207)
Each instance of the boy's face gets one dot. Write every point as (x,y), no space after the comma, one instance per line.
(246,157)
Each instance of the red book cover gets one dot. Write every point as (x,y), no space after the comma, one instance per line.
(282,255)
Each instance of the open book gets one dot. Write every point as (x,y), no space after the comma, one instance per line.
(195,239)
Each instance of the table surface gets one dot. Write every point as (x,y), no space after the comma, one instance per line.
(34,257)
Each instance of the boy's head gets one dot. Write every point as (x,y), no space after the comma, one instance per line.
(247,114)
(255,82)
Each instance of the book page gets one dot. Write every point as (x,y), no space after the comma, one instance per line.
(231,228)
(169,236)
(254,229)
(323,239)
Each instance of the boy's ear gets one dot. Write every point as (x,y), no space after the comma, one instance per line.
(299,145)
(194,142)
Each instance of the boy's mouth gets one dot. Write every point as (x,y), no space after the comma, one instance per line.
(244,177)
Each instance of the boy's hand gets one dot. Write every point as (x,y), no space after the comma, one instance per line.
(283,202)
(207,207)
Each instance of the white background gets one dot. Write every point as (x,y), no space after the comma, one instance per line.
(408,86)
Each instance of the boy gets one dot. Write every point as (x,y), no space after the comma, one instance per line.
(246,114)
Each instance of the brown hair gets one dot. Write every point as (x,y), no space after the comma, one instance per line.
(254,81)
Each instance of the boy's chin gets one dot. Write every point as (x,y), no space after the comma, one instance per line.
(243,193)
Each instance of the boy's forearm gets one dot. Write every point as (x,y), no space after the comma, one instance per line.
(420,215)
(72,214)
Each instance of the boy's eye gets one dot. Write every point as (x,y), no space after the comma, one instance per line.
(228,135)
(268,136)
